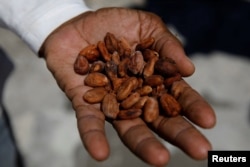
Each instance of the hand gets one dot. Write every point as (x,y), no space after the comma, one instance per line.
(60,51)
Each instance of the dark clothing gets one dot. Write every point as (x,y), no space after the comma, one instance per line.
(9,152)
(209,24)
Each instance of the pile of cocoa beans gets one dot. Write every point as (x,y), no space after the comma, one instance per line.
(128,82)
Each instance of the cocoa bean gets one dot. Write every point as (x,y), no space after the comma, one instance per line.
(110,42)
(169,105)
(151,110)
(110,106)
(104,51)
(145,44)
(96,79)
(166,67)
(126,88)
(149,67)
(90,52)
(81,65)
(131,113)
(154,80)
(95,95)
(97,66)
(130,100)
(136,63)
(141,102)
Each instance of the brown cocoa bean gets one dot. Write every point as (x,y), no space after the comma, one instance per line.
(145,90)
(159,90)
(141,102)
(95,95)
(136,63)
(104,51)
(151,110)
(96,79)
(124,48)
(111,69)
(177,88)
(90,52)
(110,42)
(149,67)
(115,57)
(154,80)
(123,67)
(169,105)
(126,88)
(166,67)
(145,44)
(110,106)
(131,113)
(169,81)
(97,66)
(81,65)
(149,54)
(117,82)
(130,100)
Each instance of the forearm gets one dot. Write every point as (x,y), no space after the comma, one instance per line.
(34,20)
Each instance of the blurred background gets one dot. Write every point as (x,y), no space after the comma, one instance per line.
(216,36)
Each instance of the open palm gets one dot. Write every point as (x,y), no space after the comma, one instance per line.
(60,51)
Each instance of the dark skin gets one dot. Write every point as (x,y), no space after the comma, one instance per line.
(60,51)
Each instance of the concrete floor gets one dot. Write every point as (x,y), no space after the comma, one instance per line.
(45,123)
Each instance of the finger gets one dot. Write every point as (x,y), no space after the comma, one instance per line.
(194,107)
(91,128)
(169,46)
(141,141)
(181,133)
(90,122)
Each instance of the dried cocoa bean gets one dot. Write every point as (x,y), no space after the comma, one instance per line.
(81,65)
(126,88)
(115,57)
(151,110)
(145,90)
(110,106)
(95,95)
(149,54)
(104,51)
(97,66)
(123,67)
(136,63)
(124,48)
(145,44)
(96,79)
(159,90)
(166,67)
(169,81)
(141,102)
(169,105)
(90,52)
(176,89)
(111,69)
(117,82)
(130,100)
(131,113)
(110,42)
(154,80)
(149,67)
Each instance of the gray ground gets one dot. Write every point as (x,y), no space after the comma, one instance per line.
(45,123)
